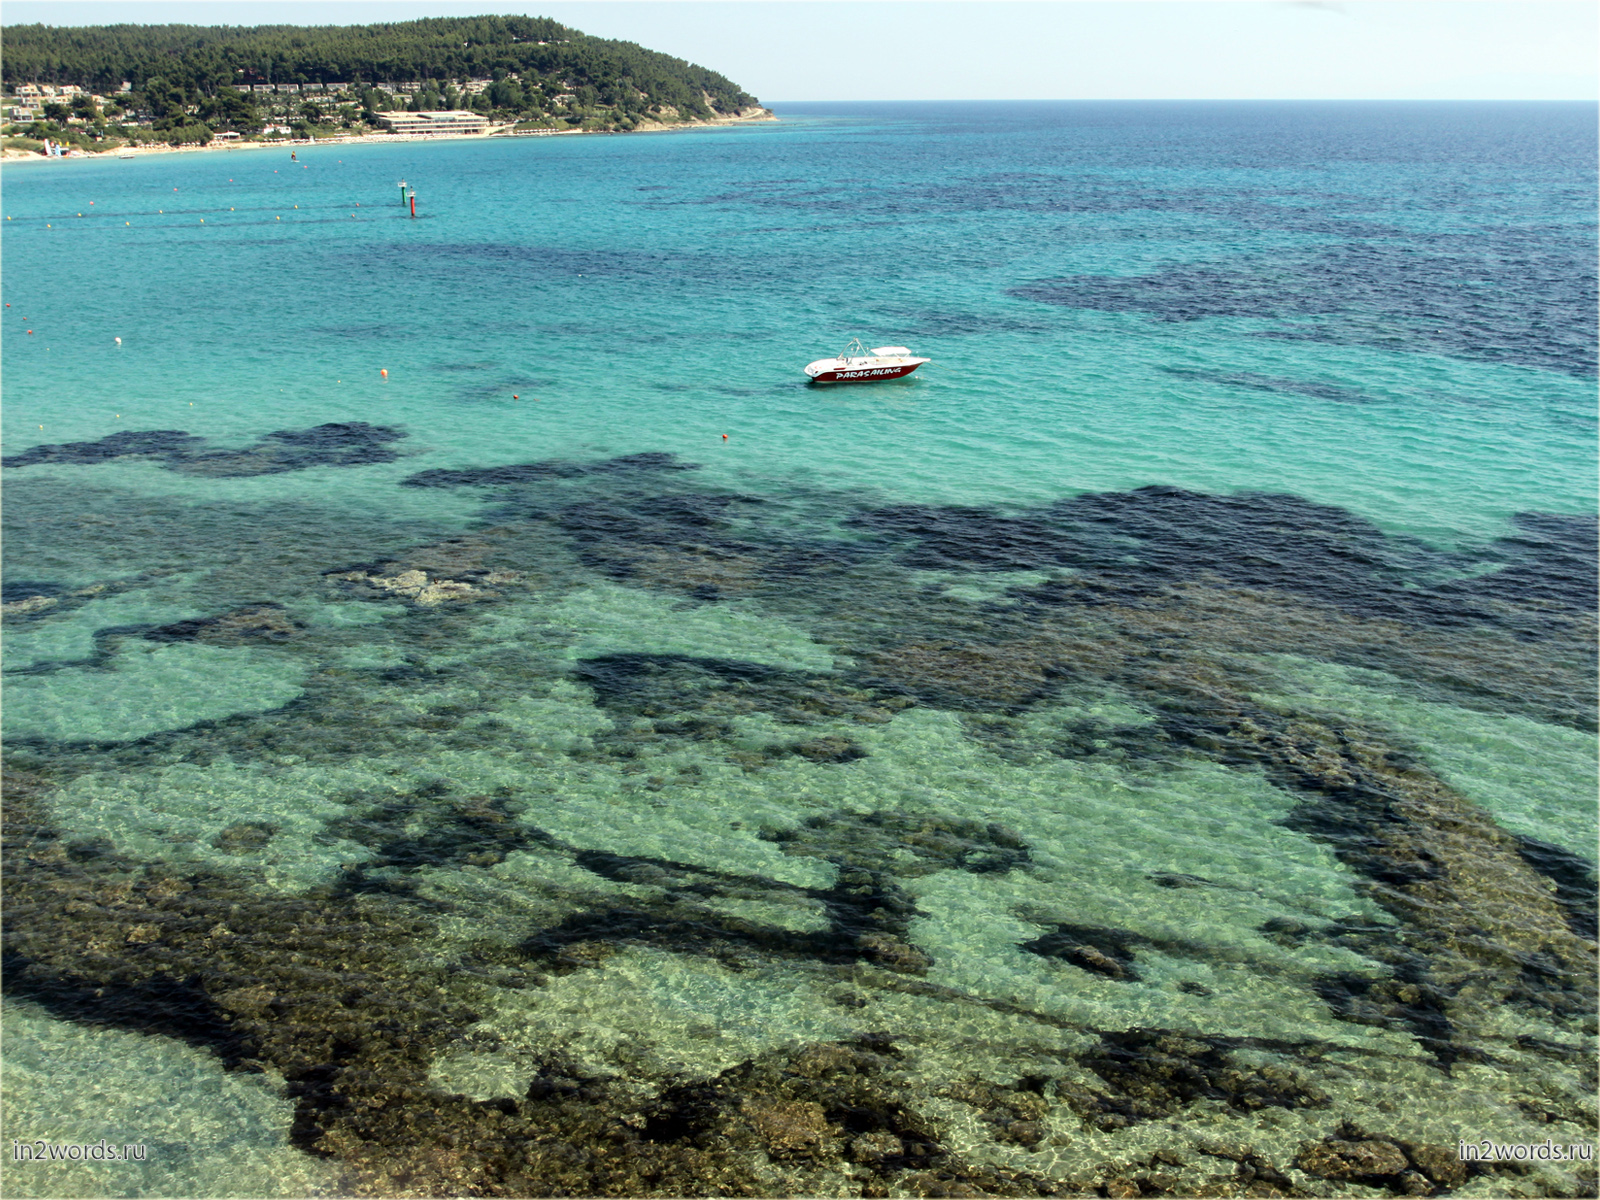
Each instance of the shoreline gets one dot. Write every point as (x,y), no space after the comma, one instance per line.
(745,117)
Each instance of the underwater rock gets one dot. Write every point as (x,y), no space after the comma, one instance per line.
(1178,879)
(1410,1003)
(555,468)
(244,837)
(1335,1159)
(829,750)
(451,570)
(1103,951)
(1404,1167)
(824,1100)
(1154,1073)
(790,1128)
(28,606)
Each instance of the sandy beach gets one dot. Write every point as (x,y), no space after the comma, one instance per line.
(744,117)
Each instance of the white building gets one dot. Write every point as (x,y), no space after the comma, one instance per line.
(453,121)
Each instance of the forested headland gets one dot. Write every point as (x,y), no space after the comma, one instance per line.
(524,70)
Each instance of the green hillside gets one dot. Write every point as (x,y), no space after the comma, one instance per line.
(541,70)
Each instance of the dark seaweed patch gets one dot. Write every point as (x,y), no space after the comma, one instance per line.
(1250,381)
(157,1004)
(1552,559)
(163,444)
(13,590)
(1528,302)
(428,827)
(1412,1005)
(340,444)
(867,915)
(696,697)
(1128,546)
(973,539)
(1178,879)
(248,625)
(907,844)
(1574,877)
(555,468)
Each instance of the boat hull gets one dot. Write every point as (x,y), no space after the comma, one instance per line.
(831,373)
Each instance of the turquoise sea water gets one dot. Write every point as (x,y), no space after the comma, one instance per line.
(1163,724)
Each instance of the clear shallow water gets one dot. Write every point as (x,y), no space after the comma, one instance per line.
(1167,717)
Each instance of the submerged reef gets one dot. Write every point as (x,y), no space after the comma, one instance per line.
(649,840)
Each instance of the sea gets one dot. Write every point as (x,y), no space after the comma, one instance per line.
(479,721)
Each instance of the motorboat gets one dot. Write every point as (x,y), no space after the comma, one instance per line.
(855,364)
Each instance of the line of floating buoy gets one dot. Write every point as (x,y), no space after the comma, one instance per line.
(384,372)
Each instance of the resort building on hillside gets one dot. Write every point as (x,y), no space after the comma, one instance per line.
(454,121)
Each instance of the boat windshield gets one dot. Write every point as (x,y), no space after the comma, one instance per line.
(854,350)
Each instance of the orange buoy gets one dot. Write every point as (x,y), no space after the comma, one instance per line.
(384,373)
(30,333)
(514,396)
(724,437)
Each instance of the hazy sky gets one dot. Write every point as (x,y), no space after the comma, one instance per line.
(1029,49)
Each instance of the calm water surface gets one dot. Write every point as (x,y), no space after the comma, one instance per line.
(1155,742)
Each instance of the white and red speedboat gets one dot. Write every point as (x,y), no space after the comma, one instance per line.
(857,365)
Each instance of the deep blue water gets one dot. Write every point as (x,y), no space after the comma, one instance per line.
(1174,703)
